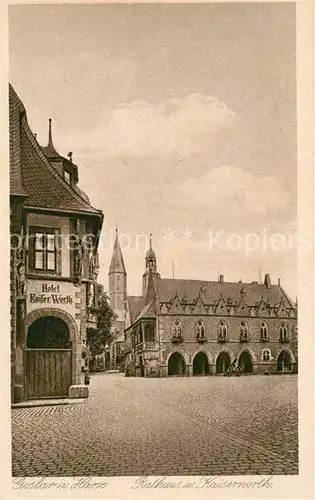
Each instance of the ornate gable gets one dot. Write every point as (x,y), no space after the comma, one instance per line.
(176,306)
(262,308)
(221,307)
(242,308)
(281,309)
(199,306)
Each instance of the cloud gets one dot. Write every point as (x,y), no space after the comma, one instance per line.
(230,191)
(176,126)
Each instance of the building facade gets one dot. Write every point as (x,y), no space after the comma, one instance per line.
(54,266)
(191,327)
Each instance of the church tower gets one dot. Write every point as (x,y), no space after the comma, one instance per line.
(150,266)
(117,281)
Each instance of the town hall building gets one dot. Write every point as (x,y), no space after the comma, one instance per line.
(194,327)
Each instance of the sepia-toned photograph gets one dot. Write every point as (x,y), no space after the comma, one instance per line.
(153,254)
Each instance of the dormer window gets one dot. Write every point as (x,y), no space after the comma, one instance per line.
(67,177)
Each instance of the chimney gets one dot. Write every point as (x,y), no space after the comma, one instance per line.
(221,279)
(267,281)
(278,281)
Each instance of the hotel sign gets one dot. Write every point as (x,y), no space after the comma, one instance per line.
(50,294)
(43,294)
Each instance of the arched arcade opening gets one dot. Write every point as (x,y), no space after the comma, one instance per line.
(245,362)
(200,364)
(176,364)
(284,361)
(223,362)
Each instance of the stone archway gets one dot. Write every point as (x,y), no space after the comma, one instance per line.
(56,313)
(48,332)
(285,361)
(200,364)
(223,362)
(245,362)
(50,340)
(176,364)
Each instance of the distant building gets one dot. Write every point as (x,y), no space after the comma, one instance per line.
(117,295)
(54,266)
(193,327)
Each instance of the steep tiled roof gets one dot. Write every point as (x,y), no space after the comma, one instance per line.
(149,310)
(31,172)
(210,291)
(16,111)
(135,306)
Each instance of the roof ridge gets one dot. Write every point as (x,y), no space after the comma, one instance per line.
(218,282)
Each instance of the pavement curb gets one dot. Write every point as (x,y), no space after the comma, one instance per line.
(34,404)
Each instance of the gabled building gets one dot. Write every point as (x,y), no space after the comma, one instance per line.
(193,327)
(54,266)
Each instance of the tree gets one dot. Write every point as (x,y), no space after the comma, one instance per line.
(97,338)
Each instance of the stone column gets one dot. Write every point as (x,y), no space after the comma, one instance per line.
(189,371)
(163,370)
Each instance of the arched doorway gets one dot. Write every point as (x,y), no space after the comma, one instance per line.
(48,358)
(200,364)
(48,332)
(223,362)
(284,362)
(176,364)
(245,362)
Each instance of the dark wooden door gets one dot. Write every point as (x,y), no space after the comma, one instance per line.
(48,373)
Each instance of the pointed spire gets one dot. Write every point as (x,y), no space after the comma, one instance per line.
(117,262)
(150,240)
(50,141)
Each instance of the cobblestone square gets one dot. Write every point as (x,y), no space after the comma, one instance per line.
(170,426)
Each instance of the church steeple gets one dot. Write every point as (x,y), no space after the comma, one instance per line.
(117,281)
(117,262)
(150,267)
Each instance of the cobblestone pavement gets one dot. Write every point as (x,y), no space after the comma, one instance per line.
(172,426)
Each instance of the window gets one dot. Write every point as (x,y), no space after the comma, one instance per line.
(177,329)
(200,329)
(222,331)
(243,332)
(67,176)
(283,332)
(43,250)
(263,331)
(266,355)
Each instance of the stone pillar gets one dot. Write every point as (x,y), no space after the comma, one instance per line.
(189,371)
(163,370)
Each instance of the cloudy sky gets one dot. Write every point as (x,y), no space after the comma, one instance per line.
(182,119)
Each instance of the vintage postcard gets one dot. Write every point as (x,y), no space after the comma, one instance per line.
(160,267)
